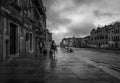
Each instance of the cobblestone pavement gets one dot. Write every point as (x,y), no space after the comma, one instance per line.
(73,68)
(64,67)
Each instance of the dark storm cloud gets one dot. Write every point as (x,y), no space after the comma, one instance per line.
(48,3)
(78,17)
(81,29)
(86,2)
(56,22)
(99,13)
(55,18)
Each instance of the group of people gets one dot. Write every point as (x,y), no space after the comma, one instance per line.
(53,48)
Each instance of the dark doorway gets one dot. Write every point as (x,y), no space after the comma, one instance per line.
(13,38)
(116,45)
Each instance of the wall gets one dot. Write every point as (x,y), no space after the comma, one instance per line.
(1,36)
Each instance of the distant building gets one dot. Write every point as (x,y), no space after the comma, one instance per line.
(102,37)
(106,37)
(99,37)
(71,42)
(64,42)
(77,42)
(114,35)
(85,42)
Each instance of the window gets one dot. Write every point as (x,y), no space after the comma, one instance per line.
(31,45)
(106,37)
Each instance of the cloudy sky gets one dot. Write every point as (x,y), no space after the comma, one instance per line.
(66,18)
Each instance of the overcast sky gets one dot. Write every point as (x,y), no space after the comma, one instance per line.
(67,18)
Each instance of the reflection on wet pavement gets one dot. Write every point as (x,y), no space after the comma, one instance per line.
(27,71)
(63,67)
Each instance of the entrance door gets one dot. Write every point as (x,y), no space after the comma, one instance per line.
(116,45)
(13,38)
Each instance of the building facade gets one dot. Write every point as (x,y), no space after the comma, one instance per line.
(102,37)
(71,42)
(85,42)
(22,28)
(106,37)
(99,37)
(114,35)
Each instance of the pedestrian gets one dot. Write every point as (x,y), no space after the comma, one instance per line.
(41,45)
(56,49)
(53,47)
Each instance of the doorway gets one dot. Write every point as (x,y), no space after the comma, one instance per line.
(116,45)
(13,38)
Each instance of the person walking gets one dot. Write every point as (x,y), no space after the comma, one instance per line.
(53,47)
(56,49)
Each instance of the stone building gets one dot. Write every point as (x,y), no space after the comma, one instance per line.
(77,42)
(22,28)
(106,37)
(114,35)
(71,42)
(99,37)
(85,42)
(64,42)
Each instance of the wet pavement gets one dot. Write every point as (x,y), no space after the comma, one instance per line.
(81,66)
